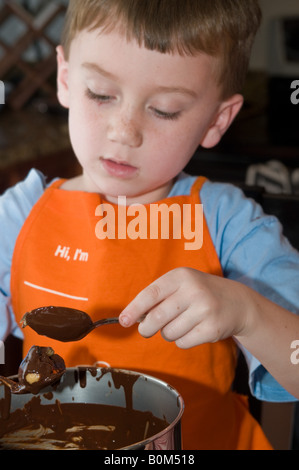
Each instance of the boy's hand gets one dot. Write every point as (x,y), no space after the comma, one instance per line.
(190,308)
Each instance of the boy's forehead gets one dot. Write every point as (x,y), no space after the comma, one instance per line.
(92,40)
(93,49)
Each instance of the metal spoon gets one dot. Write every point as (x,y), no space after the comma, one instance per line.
(62,323)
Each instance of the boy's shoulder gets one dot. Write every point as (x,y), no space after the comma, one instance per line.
(19,199)
(226,207)
(213,191)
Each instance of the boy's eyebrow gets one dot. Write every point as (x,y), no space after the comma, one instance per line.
(177,89)
(96,68)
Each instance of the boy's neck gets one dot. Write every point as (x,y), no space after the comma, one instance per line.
(78,184)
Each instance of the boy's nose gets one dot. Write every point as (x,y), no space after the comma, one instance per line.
(125,131)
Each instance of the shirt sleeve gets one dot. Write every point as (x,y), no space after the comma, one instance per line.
(252,250)
(15,206)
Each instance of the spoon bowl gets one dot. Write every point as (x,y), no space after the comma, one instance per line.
(62,323)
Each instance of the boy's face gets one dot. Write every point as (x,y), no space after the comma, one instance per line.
(136,116)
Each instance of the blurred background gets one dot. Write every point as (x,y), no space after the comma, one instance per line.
(259,153)
(33,127)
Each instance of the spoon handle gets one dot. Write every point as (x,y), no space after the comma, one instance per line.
(105,321)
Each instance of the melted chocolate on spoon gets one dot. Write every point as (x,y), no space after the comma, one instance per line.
(62,323)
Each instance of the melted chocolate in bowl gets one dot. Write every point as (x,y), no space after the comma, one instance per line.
(93,409)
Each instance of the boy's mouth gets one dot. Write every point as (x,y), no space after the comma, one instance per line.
(117,168)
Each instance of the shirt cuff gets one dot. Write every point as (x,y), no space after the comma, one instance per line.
(262,384)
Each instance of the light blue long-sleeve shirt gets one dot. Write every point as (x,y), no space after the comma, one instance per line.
(249,244)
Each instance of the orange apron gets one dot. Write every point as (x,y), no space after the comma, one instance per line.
(59,260)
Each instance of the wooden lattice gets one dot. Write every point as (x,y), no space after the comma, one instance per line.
(33,77)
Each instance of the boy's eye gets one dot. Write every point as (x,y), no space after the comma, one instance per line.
(165,115)
(107,98)
(101,98)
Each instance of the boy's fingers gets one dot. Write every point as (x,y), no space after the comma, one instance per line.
(162,316)
(151,296)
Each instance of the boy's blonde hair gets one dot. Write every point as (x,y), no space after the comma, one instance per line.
(221,28)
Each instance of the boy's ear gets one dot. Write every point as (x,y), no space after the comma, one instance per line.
(226,114)
(62,78)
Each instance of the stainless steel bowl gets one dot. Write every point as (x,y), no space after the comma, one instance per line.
(98,385)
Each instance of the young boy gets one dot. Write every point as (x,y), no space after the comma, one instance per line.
(146,82)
